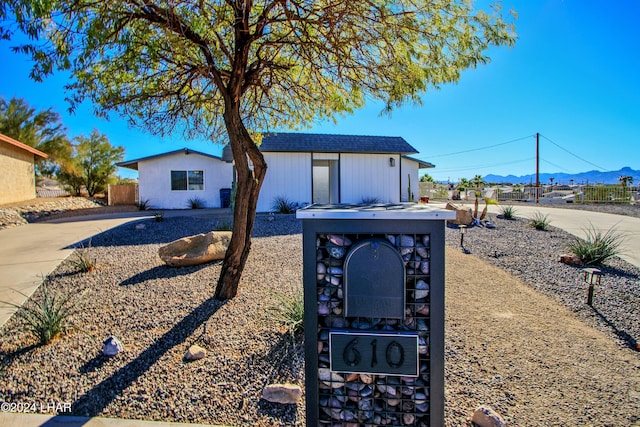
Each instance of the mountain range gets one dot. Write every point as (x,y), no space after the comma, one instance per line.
(591,177)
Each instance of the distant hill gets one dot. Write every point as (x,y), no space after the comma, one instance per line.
(591,177)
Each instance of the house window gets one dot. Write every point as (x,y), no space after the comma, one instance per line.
(187,180)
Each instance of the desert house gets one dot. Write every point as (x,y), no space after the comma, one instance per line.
(17,162)
(303,168)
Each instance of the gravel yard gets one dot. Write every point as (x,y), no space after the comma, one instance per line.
(524,343)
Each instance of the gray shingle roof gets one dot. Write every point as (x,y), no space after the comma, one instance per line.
(329,143)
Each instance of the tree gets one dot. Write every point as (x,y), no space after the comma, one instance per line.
(39,129)
(426,178)
(477,181)
(210,67)
(93,165)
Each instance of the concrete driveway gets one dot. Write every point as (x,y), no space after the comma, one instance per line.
(32,251)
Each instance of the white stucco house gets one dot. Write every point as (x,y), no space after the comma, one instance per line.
(303,168)
(170,180)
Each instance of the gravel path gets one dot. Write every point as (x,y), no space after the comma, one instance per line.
(509,346)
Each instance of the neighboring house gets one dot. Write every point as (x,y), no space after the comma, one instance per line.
(171,180)
(303,168)
(17,163)
(321,168)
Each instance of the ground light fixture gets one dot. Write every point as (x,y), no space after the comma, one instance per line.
(593,277)
(463,230)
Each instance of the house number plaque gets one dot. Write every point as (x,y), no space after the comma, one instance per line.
(374,353)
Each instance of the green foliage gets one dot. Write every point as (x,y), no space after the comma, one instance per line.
(93,164)
(82,261)
(289,311)
(283,205)
(539,221)
(302,63)
(426,178)
(158,216)
(597,247)
(41,130)
(196,203)
(213,69)
(508,212)
(48,315)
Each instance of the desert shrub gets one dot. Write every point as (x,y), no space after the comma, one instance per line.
(81,260)
(369,200)
(48,316)
(224,224)
(158,216)
(597,246)
(508,212)
(195,203)
(539,221)
(283,205)
(144,204)
(289,311)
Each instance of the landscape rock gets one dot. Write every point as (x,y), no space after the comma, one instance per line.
(195,250)
(464,216)
(285,394)
(570,259)
(485,416)
(195,352)
(111,346)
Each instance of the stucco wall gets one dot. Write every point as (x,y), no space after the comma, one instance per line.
(154,180)
(17,179)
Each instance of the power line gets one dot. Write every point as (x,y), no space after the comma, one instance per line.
(574,155)
(486,166)
(555,166)
(481,148)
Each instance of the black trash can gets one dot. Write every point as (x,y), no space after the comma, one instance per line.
(374,314)
(225,197)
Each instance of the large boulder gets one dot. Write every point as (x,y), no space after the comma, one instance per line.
(195,250)
(464,216)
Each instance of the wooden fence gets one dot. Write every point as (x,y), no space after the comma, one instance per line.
(122,194)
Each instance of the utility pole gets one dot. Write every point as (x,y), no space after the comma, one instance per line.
(537,165)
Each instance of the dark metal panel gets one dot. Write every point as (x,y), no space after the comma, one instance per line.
(374,280)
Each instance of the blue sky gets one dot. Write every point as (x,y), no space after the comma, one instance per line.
(573,76)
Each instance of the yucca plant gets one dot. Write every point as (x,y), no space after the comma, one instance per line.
(283,205)
(508,212)
(195,203)
(144,204)
(597,246)
(540,221)
(289,311)
(47,316)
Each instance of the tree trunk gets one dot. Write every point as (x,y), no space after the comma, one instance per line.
(251,170)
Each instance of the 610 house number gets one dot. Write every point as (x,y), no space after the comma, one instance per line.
(374,353)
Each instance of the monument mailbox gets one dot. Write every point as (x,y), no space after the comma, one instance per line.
(374,314)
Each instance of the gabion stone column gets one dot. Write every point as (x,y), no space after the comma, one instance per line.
(374,314)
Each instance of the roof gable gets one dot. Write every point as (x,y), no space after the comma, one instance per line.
(133,164)
(329,143)
(15,143)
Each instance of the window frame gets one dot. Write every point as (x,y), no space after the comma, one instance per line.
(189,176)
